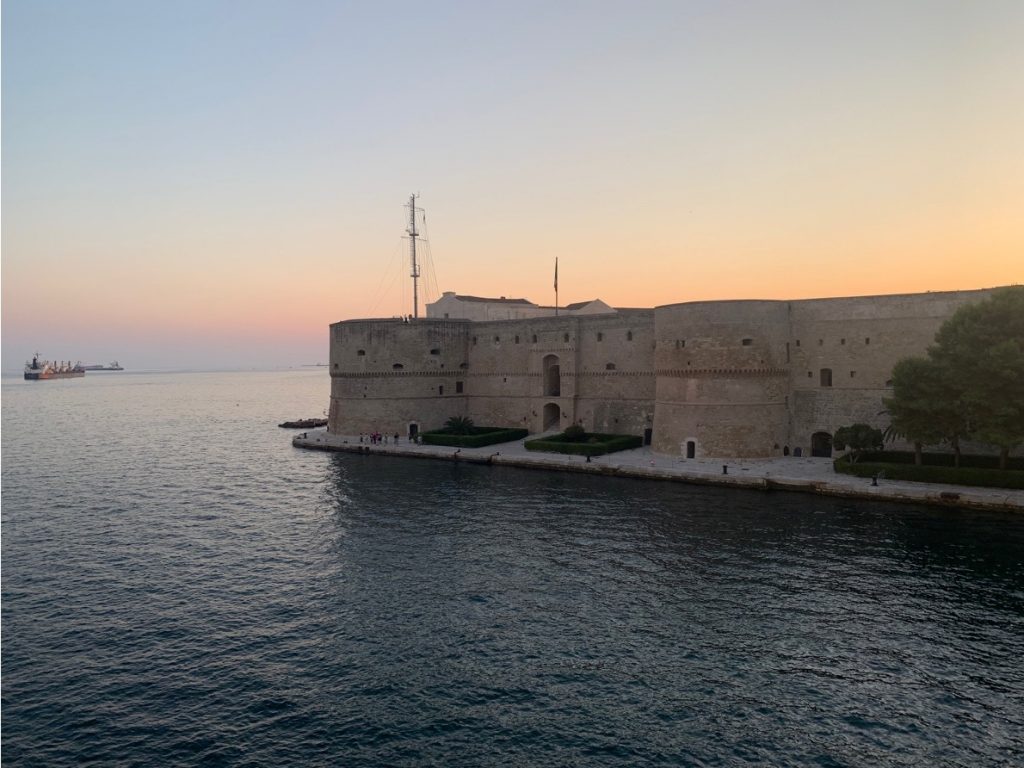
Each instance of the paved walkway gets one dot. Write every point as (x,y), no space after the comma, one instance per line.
(812,475)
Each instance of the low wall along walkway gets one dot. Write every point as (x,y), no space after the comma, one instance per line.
(808,475)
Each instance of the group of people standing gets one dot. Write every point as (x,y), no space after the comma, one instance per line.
(376,438)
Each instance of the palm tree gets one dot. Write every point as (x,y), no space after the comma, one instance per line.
(459,425)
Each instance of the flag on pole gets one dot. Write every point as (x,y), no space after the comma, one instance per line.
(556,273)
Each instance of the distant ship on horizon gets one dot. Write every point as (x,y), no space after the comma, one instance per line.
(114,366)
(41,370)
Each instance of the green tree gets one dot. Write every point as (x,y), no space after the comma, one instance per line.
(981,350)
(922,409)
(858,437)
(459,425)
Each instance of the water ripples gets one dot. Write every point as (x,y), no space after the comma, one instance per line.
(180,586)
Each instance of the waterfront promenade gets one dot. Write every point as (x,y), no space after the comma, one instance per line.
(808,475)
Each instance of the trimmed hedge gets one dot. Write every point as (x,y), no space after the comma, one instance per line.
(941,459)
(478,437)
(897,470)
(596,444)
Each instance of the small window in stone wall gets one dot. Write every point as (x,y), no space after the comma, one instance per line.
(397,366)
(853,374)
(435,351)
(826,377)
(497,339)
(821,342)
(335,366)
(360,353)
(517,339)
(629,335)
(747,342)
(867,339)
(810,375)
(600,336)
(888,383)
(565,338)
(458,387)
(463,366)
(440,390)
(842,342)
(534,338)
(798,342)
(609,366)
(474,339)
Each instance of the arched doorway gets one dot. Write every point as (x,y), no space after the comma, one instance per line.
(691,449)
(552,376)
(552,416)
(821,444)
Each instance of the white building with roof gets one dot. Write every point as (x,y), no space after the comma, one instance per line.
(452,306)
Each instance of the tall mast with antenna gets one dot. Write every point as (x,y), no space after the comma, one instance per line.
(413,234)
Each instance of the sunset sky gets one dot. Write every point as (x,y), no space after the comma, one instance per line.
(209,184)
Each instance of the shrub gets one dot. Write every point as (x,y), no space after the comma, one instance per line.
(859,437)
(597,444)
(907,470)
(977,461)
(478,437)
(575,433)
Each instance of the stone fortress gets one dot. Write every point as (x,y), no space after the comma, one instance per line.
(731,379)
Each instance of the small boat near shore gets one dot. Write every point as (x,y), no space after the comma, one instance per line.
(43,370)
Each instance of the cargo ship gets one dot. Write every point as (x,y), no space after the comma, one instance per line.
(39,370)
(114,366)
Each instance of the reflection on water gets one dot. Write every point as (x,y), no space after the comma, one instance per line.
(180,585)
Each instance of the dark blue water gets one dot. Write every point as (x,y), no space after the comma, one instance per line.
(181,587)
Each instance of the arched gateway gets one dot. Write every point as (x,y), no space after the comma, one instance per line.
(552,416)
(821,444)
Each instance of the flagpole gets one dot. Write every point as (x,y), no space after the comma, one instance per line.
(556,286)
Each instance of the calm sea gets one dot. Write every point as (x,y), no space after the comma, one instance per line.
(182,587)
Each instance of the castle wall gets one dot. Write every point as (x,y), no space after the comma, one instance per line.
(388,374)
(720,379)
(859,340)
